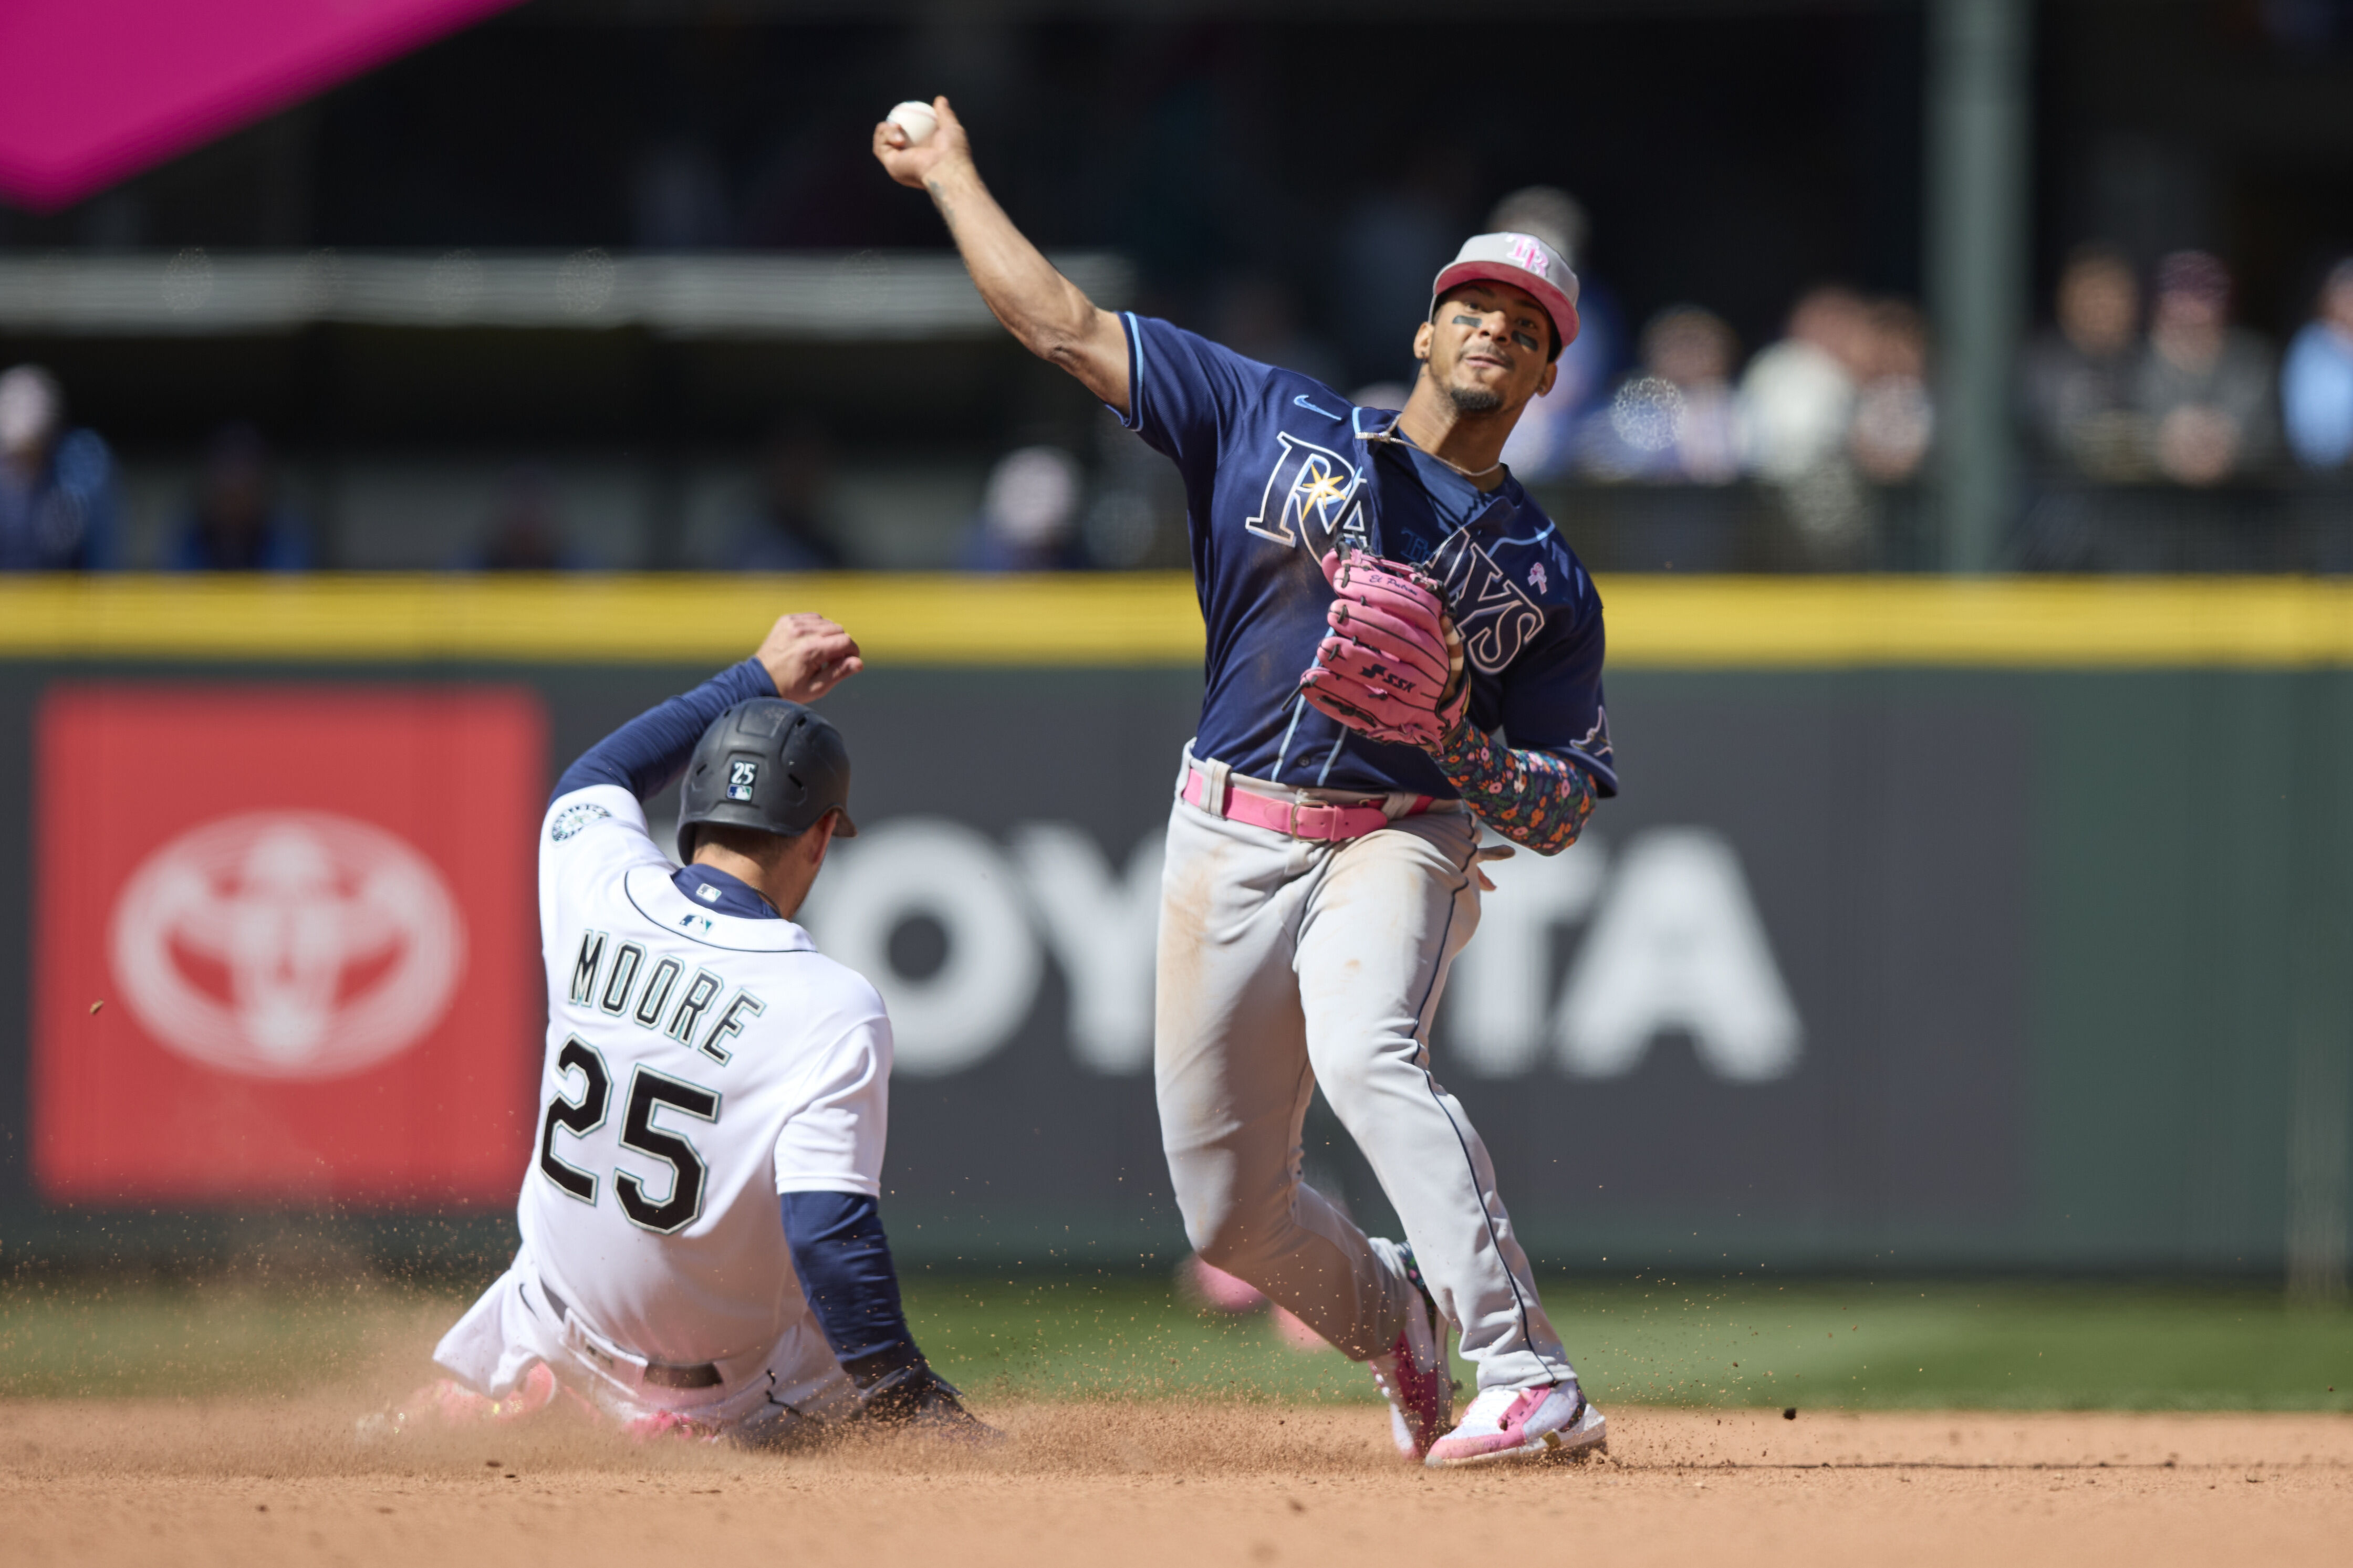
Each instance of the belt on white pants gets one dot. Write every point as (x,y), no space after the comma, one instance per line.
(1211,787)
(622,1364)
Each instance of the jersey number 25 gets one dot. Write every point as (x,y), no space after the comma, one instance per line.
(649,1090)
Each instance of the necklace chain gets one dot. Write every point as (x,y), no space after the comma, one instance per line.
(1474,476)
(1395,432)
(1393,436)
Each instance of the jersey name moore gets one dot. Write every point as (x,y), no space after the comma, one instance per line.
(619,985)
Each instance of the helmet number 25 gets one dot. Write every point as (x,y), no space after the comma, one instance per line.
(648,1091)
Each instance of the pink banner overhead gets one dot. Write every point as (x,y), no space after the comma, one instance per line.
(94,90)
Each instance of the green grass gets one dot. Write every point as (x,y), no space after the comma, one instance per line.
(1970,1345)
(1858,1346)
(1072,1337)
(93,1338)
(1851,1346)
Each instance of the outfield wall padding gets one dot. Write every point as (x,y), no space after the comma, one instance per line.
(1900,950)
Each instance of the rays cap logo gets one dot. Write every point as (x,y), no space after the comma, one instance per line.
(743,777)
(1525,262)
(287,945)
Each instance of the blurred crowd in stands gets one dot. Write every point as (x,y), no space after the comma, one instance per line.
(60,509)
(2146,383)
(2139,400)
(2188,397)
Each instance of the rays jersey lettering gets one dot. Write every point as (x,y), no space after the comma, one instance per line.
(1495,617)
(1278,469)
(1311,494)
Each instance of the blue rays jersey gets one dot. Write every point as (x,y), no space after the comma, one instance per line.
(1278,469)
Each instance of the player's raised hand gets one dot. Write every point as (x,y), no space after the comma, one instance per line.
(808,656)
(911,162)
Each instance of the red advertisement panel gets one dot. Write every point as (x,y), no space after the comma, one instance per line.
(285,948)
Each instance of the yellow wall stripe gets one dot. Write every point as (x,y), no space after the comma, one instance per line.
(2086,622)
(911,619)
(1656,622)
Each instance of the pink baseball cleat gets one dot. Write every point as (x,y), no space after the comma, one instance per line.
(1211,1287)
(668,1426)
(1505,1425)
(1414,1375)
(1293,1332)
(446,1404)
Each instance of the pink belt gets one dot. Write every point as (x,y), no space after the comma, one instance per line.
(1300,820)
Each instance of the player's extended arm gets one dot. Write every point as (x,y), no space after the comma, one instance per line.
(803,657)
(844,1262)
(1530,797)
(1049,313)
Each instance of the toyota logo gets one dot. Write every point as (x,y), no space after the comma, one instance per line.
(293,944)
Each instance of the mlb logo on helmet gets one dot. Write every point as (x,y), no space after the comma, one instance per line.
(742,775)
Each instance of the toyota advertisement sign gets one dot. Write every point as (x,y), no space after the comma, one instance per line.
(284,953)
(1867,968)
(284,942)
(1771,996)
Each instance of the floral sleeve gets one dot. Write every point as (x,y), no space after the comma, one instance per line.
(1530,797)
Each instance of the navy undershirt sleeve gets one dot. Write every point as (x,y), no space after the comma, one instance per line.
(645,755)
(844,1260)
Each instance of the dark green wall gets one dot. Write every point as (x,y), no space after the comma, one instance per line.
(2063,946)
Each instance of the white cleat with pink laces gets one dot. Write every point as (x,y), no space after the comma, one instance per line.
(1504,1425)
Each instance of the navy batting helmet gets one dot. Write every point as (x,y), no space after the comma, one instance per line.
(768,764)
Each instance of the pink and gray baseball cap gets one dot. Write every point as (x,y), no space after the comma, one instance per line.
(1524,261)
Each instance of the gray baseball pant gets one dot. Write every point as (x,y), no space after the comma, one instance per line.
(1284,963)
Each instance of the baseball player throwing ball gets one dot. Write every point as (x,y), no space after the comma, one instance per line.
(700,1249)
(1399,647)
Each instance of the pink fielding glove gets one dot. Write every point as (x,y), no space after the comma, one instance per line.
(1392,669)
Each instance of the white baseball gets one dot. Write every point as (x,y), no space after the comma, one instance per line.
(916,120)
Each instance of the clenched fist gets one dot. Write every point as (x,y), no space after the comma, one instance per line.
(808,656)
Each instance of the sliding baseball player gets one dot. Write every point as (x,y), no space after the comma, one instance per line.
(702,1254)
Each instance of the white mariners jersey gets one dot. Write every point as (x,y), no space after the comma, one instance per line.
(698,1064)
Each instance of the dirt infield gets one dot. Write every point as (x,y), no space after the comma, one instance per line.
(103,1483)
